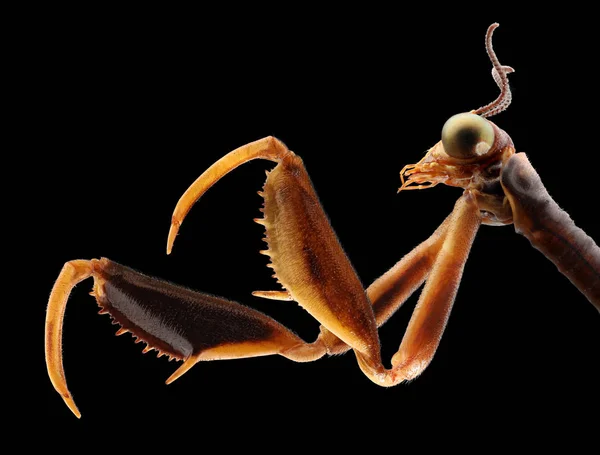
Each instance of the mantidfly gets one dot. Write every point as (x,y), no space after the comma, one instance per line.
(500,187)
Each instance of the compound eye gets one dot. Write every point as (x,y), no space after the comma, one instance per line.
(467,136)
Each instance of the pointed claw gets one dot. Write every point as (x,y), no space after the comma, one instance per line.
(274,295)
(173,230)
(268,148)
(189,363)
(72,273)
(71,404)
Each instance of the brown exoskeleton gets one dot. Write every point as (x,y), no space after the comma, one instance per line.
(500,187)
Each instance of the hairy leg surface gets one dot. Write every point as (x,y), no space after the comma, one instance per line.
(431,314)
(306,255)
(311,265)
(176,321)
(389,292)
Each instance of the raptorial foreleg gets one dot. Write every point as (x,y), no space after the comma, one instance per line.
(183,324)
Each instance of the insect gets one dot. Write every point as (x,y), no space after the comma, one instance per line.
(500,188)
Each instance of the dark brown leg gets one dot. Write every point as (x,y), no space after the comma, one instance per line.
(183,324)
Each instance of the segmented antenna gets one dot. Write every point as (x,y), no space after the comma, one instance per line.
(499,73)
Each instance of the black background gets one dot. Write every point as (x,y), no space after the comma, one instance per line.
(128,108)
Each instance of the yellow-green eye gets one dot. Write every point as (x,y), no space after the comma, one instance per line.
(467,136)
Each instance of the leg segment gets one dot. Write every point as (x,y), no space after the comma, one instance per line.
(176,321)
(431,314)
(306,255)
(311,265)
(267,148)
(72,273)
(389,292)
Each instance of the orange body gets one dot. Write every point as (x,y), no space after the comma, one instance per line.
(500,187)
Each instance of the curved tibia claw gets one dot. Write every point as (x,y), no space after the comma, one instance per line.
(173,230)
(267,148)
(72,273)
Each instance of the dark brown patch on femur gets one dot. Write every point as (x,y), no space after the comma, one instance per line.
(175,320)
